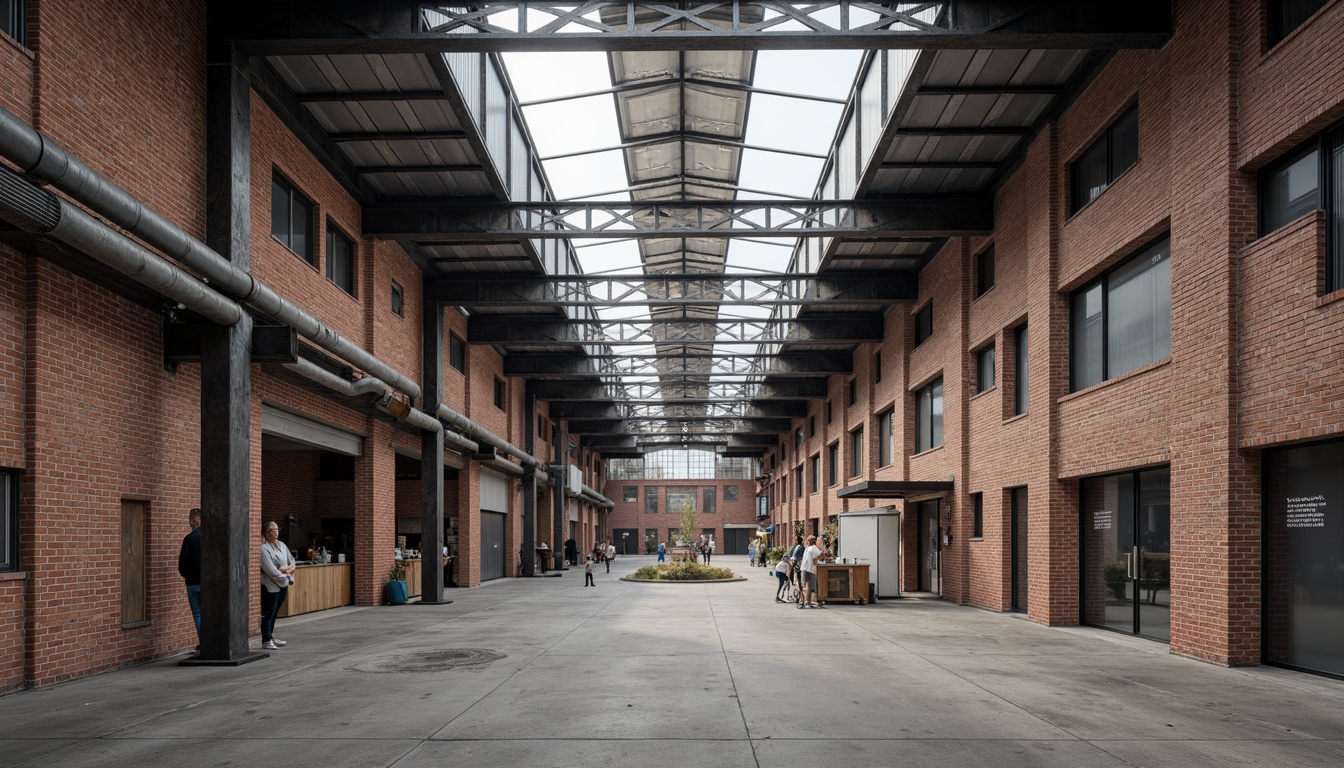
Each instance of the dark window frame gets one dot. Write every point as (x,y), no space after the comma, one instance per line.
(1276,26)
(856,452)
(15,23)
(984,271)
(650,499)
(924,323)
(1113,173)
(799,439)
(1329,196)
(398,300)
(293,195)
(798,481)
(730,493)
(833,462)
(877,366)
(978,515)
(630,490)
(985,379)
(457,353)
(886,437)
(1102,282)
(501,395)
(853,391)
(815,462)
(925,394)
(9,520)
(336,237)
(830,414)
(1021,378)
(709,501)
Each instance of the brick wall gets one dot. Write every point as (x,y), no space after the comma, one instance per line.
(632,514)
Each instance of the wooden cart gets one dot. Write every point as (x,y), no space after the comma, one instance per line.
(843,582)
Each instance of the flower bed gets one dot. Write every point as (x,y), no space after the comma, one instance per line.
(682,572)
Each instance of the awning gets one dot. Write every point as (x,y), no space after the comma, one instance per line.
(894,489)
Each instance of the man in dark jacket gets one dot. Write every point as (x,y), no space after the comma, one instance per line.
(189,566)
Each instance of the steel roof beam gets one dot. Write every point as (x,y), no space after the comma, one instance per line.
(279,27)
(917,217)
(656,290)
(559,366)
(857,330)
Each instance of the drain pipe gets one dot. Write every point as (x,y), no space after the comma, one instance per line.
(371,386)
(35,210)
(596,498)
(42,158)
(467,426)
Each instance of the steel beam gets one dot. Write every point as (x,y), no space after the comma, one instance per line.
(922,217)
(656,290)
(280,27)
(485,329)
(556,366)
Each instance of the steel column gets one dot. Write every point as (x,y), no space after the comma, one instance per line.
(431,457)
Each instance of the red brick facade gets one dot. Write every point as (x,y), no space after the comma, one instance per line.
(631,515)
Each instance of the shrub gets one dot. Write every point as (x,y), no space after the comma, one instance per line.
(775,554)
(686,571)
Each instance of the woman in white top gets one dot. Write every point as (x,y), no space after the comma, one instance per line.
(782,573)
(277,573)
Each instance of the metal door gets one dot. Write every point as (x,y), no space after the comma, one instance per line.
(492,546)
(930,548)
(735,541)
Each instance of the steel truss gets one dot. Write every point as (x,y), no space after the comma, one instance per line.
(850,330)
(675,290)
(921,217)
(541,366)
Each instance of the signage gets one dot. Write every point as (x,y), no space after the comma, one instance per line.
(1101,520)
(1306,511)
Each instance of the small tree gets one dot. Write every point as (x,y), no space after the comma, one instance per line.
(690,522)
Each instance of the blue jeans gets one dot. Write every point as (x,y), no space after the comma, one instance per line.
(270,609)
(194,600)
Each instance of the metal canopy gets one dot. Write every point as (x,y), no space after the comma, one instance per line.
(894,489)
(430,141)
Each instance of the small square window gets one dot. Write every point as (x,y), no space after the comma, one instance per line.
(730,493)
(630,494)
(984,369)
(340,259)
(499,393)
(396,300)
(457,353)
(984,271)
(924,324)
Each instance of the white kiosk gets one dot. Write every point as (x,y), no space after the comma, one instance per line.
(874,535)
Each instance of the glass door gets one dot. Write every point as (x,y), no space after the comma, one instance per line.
(930,548)
(1126,552)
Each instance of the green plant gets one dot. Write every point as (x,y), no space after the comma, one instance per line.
(397,572)
(1116,578)
(685,571)
(690,522)
(775,554)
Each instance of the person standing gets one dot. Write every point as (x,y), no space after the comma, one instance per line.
(796,555)
(808,597)
(277,573)
(662,553)
(189,567)
(588,571)
(611,554)
(709,551)
(571,552)
(751,553)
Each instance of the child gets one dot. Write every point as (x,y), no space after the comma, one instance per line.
(782,573)
(588,571)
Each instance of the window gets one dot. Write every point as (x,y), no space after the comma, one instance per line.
(816,473)
(853,391)
(811,426)
(499,393)
(1020,370)
(730,493)
(984,369)
(929,417)
(9,522)
(798,481)
(542,432)
(12,20)
(886,422)
(630,493)
(134,584)
(396,300)
(679,496)
(1309,179)
(877,366)
(650,499)
(984,271)
(711,501)
(978,519)
(340,259)
(798,438)
(292,219)
(1122,321)
(833,465)
(783,452)
(457,353)
(856,452)
(1104,161)
(1287,15)
(783,489)
(924,324)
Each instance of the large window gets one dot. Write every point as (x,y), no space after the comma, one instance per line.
(630,494)
(984,271)
(924,324)
(679,496)
(12,20)
(9,522)
(292,218)
(856,452)
(1287,15)
(457,353)
(929,416)
(886,432)
(833,465)
(1104,161)
(1310,178)
(816,473)
(730,493)
(710,496)
(984,369)
(340,259)
(1020,370)
(650,499)
(1122,321)
(798,481)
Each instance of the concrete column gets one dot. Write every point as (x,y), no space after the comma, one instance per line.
(431,458)
(375,514)
(226,384)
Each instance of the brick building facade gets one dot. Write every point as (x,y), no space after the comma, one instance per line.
(650,510)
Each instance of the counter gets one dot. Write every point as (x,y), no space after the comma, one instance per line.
(843,582)
(318,587)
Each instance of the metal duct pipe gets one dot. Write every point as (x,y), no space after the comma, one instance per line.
(371,386)
(485,436)
(597,498)
(35,210)
(41,158)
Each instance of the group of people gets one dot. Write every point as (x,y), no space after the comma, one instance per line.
(757,552)
(277,574)
(800,566)
(703,548)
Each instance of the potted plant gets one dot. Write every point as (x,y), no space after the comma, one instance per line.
(396,590)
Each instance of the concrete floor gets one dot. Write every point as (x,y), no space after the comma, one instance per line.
(632,675)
